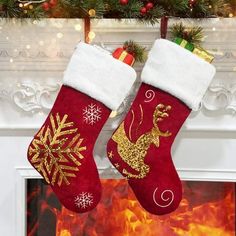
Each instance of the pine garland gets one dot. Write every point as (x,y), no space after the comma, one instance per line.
(117,9)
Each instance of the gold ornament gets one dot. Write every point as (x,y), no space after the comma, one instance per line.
(113,114)
(56,150)
(92,13)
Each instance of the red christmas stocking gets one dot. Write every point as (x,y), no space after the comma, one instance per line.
(62,151)
(174,82)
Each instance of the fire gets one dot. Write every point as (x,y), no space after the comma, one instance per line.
(207,209)
(65,233)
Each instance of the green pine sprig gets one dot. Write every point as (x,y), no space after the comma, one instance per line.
(153,15)
(117,10)
(199,10)
(193,35)
(139,52)
(10,9)
(174,7)
(220,7)
(97,5)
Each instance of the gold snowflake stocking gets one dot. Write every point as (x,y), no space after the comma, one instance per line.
(62,150)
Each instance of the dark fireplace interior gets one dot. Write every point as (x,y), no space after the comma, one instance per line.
(207,209)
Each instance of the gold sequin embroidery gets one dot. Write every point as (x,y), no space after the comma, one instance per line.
(134,153)
(110,154)
(51,153)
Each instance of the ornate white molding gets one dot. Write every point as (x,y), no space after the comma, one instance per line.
(221,97)
(225,55)
(30,96)
(33,54)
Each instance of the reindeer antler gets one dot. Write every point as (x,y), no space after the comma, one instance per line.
(160,113)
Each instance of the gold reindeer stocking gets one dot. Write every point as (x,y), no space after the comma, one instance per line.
(140,148)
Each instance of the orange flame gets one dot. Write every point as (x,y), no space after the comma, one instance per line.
(206,209)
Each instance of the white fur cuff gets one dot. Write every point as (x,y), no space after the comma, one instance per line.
(178,72)
(99,75)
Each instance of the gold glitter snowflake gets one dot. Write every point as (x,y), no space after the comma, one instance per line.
(56,150)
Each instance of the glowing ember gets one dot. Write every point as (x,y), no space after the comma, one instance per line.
(206,209)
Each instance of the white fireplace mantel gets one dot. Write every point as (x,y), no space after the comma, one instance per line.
(33,56)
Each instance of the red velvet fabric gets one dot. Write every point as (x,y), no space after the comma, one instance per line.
(84,189)
(160,191)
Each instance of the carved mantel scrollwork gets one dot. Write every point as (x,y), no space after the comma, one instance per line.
(221,97)
(30,96)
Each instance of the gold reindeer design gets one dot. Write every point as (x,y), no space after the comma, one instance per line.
(134,153)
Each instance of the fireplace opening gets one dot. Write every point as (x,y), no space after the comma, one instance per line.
(207,209)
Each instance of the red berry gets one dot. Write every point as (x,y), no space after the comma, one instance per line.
(185,34)
(46,6)
(143,10)
(192,2)
(124,2)
(53,3)
(149,5)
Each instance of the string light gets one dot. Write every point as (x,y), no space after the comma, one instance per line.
(77,27)
(41,43)
(91,36)
(59,35)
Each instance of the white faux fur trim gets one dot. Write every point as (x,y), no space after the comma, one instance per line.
(99,75)
(178,72)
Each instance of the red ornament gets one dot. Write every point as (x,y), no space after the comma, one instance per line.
(143,10)
(124,2)
(185,34)
(46,6)
(192,2)
(53,3)
(149,6)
